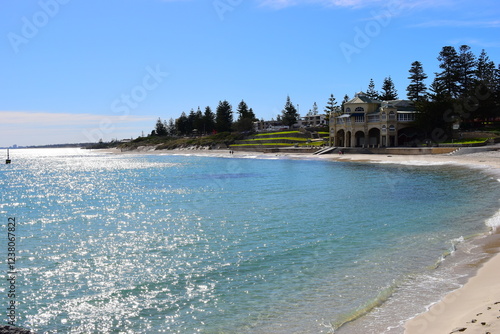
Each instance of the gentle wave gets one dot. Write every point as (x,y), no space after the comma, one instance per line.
(381,298)
(416,163)
(494,221)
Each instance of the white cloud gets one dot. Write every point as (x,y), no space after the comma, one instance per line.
(475,42)
(278,4)
(459,24)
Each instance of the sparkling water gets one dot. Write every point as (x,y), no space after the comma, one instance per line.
(194,244)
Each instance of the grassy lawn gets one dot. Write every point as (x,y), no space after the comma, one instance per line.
(278,138)
(263,144)
(275,133)
(318,144)
(468,141)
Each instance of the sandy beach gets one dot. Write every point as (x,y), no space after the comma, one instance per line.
(473,308)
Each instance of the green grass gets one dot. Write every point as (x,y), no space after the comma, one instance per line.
(275,133)
(282,138)
(278,138)
(280,144)
(263,144)
(468,141)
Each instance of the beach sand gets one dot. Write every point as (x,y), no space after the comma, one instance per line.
(473,308)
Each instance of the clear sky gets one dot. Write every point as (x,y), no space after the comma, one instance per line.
(81,70)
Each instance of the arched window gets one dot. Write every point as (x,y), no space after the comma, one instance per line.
(359,109)
(348,110)
(392,115)
(392,128)
(384,128)
(384,115)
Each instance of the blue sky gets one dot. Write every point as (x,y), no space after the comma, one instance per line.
(78,71)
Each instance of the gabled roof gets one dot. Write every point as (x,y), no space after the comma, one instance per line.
(362,98)
(399,105)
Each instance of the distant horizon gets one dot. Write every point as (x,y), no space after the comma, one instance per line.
(16,147)
(81,71)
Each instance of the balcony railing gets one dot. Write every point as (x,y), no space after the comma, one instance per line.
(406,117)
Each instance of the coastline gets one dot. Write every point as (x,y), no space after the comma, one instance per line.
(487,160)
(472,308)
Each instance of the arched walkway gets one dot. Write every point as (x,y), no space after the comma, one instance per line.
(340,139)
(360,139)
(374,137)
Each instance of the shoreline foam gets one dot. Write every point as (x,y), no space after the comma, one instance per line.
(474,306)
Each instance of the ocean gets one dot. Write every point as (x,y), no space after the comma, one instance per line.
(165,243)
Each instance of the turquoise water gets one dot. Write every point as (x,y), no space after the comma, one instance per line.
(187,244)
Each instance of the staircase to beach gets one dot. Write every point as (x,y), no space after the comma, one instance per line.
(470,150)
(325,150)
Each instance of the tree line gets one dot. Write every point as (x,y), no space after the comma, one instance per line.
(208,122)
(466,92)
(466,89)
(463,75)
